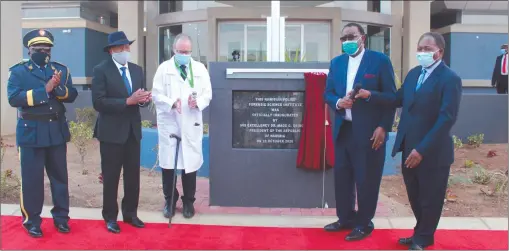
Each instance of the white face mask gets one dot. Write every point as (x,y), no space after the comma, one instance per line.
(121,57)
(425,59)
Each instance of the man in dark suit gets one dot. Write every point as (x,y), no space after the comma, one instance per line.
(38,88)
(360,131)
(430,97)
(499,77)
(118,90)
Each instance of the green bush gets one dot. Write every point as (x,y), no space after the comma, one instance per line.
(457,142)
(476,140)
(82,132)
(146,124)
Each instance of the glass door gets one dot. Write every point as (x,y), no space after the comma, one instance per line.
(255,49)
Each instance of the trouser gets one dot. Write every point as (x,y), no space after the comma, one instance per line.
(426,187)
(358,168)
(33,160)
(502,87)
(188,185)
(114,157)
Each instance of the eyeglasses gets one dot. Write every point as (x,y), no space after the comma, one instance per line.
(183,52)
(349,37)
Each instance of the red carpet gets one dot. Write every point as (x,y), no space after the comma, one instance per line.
(91,234)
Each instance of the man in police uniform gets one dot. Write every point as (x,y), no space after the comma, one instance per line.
(38,88)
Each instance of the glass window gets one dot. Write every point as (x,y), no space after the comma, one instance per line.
(170,6)
(166,6)
(307,42)
(198,31)
(246,42)
(378,38)
(56,12)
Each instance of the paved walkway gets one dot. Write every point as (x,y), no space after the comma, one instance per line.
(467,223)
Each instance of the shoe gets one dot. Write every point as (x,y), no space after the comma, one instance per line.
(113,227)
(188,209)
(358,234)
(405,241)
(166,210)
(63,227)
(336,226)
(135,222)
(414,246)
(34,231)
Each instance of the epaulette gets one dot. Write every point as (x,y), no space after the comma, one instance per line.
(55,62)
(22,62)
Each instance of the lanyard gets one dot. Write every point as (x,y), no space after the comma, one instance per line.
(190,78)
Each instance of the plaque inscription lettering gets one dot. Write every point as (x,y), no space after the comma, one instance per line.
(267,119)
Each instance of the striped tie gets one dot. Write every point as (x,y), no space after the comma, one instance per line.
(183,73)
(420,80)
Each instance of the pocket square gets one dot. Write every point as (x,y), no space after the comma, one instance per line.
(369,75)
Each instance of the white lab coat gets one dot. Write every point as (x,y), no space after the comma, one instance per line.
(168,86)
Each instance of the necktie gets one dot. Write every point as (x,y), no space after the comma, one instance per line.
(126,81)
(183,73)
(421,79)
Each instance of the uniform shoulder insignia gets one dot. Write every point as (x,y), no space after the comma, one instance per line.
(22,62)
(60,64)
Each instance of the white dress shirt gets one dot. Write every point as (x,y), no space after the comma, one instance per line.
(127,73)
(353,67)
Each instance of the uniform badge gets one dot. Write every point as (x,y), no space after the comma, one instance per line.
(30,67)
(42,33)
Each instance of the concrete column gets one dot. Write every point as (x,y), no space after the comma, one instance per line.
(416,21)
(396,10)
(11,51)
(130,21)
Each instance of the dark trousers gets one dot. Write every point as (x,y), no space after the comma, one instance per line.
(426,186)
(502,86)
(113,158)
(33,160)
(188,185)
(357,168)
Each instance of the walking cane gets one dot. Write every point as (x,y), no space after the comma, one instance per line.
(174,178)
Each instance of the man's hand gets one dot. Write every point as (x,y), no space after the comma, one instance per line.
(137,97)
(148,97)
(363,94)
(345,103)
(192,102)
(54,81)
(177,105)
(413,160)
(378,138)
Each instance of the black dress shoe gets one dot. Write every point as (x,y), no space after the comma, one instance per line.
(113,227)
(405,241)
(34,231)
(358,234)
(135,222)
(63,228)
(414,246)
(166,210)
(188,209)
(336,226)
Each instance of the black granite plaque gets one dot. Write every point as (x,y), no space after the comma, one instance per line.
(267,119)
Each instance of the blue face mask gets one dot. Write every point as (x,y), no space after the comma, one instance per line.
(502,51)
(350,47)
(182,59)
(425,59)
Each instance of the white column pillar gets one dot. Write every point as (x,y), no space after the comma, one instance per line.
(11,51)
(416,21)
(275,34)
(130,21)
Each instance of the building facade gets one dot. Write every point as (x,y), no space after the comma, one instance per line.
(474,31)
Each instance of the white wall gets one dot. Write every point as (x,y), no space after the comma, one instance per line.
(484,19)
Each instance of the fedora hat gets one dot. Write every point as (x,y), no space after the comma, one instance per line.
(117,38)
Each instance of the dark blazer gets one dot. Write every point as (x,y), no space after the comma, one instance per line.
(497,77)
(109,94)
(427,115)
(375,74)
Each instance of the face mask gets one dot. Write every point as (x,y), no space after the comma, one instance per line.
(121,57)
(40,58)
(502,51)
(425,59)
(351,47)
(182,59)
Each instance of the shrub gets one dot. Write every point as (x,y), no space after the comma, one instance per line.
(395,124)
(205,128)
(482,176)
(457,142)
(82,132)
(146,124)
(469,164)
(475,140)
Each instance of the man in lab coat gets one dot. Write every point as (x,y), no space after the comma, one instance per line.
(181,91)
